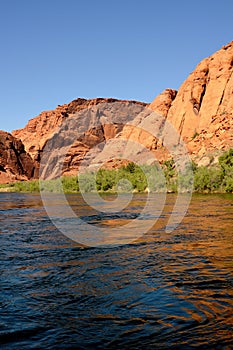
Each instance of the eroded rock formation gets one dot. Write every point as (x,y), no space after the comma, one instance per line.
(41,128)
(201,112)
(15,163)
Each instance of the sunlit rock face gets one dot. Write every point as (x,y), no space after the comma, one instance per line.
(201,112)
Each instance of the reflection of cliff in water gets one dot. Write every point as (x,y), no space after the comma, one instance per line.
(163,291)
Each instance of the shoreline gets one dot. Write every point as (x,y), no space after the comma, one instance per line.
(13,190)
(133,178)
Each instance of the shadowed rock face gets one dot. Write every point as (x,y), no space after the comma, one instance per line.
(15,163)
(41,128)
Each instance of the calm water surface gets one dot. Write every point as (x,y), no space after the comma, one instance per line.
(163,292)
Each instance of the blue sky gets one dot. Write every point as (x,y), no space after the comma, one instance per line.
(53,51)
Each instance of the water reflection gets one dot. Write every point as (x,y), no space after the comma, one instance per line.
(164,291)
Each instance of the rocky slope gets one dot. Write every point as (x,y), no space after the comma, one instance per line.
(15,163)
(39,129)
(201,111)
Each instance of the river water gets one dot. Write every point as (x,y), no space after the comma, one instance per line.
(166,291)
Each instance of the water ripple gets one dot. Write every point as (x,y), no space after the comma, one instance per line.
(163,292)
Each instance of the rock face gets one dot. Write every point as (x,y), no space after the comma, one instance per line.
(15,163)
(39,129)
(163,101)
(42,128)
(202,110)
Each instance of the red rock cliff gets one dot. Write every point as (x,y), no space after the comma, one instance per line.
(15,163)
(39,129)
(202,110)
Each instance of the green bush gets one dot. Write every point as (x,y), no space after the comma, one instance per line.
(26,186)
(207,179)
(156,178)
(228,184)
(86,182)
(226,161)
(108,179)
(170,173)
(53,186)
(70,184)
(226,165)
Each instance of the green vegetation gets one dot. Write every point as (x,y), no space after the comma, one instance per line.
(125,179)
(22,186)
(154,178)
(217,178)
(195,135)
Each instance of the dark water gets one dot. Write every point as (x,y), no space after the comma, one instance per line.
(165,292)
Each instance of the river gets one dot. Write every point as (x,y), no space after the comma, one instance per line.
(164,291)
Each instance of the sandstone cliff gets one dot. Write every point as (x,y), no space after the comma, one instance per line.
(163,102)
(15,163)
(39,129)
(202,110)
(43,127)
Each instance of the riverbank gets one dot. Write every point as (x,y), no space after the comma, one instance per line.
(132,178)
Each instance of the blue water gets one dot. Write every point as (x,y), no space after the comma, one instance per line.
(163,292)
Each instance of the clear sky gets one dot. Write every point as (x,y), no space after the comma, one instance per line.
(53,51)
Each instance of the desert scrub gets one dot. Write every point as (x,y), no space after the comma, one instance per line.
(207,179)
(134,178)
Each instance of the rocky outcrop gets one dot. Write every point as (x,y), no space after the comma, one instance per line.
(41,128)
(15,163)
(85,114)
(205,94)
(201,111)
(163,102)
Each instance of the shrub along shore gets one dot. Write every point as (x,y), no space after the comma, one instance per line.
(133,178)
